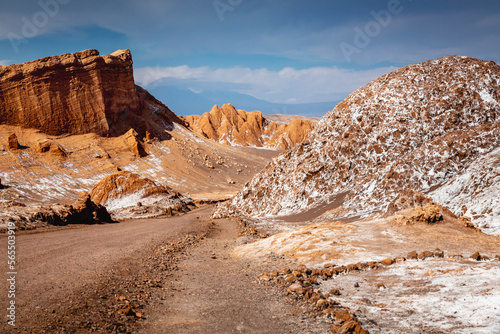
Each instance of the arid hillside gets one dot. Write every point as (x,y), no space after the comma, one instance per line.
(67,122)
(432,127)
(230,126)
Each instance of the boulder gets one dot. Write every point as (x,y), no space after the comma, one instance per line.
(12,143)
(49,146)
(387,262)
(134,143)
(476,256)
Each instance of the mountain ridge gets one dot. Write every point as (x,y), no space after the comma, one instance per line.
(230,126)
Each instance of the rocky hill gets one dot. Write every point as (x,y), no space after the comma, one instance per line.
(79,93)
(128,195)
(427,127)
(230,126)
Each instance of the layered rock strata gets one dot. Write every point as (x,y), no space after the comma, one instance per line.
(80,93)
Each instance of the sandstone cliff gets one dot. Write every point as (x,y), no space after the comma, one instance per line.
(230,126)
(79,93)
(426,127)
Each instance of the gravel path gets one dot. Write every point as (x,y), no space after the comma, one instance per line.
(214,292)
(53,265)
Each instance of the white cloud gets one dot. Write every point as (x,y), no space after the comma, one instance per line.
(4,62)
(288,85)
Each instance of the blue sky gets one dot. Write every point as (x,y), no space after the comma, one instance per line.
(282,51)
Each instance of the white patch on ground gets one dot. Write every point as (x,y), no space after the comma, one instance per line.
(188,135)
(443,295)
(125,201)
(478,186)
(314,245)
(487,97)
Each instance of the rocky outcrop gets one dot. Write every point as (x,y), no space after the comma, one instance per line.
(73,93)
(49,146)
(419,127)
(80,93)
(128,195)
(428,214)
(83,211)
(133,141)
(230,126)
(12,142)
(287,135)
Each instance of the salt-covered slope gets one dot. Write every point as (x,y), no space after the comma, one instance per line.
(419,127)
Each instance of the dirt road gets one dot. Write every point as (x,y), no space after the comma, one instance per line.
(52,265)
(215,292)
(79,280)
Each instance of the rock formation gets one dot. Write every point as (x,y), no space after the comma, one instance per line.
(83,211)
(128,195)
(12,143)
(79,93)
(230,126)
(133,141)
(424,127)
(287,135)
(49,146)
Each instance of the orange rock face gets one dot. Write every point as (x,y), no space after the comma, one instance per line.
(230,126)
(79,93)
(128,195)
(122,184)
(72,93)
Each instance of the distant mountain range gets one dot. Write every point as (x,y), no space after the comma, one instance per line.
(186,102)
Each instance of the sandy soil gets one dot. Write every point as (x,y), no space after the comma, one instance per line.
(214,292)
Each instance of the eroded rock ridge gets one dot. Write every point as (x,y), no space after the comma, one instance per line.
(230,126)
